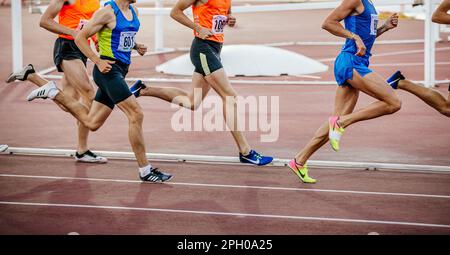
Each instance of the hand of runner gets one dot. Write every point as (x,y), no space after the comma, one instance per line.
(204,33)
(360,46)
(392,21)
(141,49)
(231,20)
(104,65)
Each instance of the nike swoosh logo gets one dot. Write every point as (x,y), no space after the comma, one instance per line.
(394,81)
(302,175)
(253,161)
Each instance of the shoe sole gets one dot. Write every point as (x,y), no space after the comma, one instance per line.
(90,162)
(157,182)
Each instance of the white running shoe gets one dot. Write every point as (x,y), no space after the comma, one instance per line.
(3,147)
(90,157)
(21,75)
(44,92)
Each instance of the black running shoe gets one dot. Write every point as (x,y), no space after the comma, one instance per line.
(155,176)
(137,87)
(21,75)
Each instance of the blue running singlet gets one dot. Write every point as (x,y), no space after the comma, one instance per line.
(118,43)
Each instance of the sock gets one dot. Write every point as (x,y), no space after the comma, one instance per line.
(143,171)
(54,91)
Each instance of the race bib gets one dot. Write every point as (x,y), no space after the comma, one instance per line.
(374,24)
(126,42)
(218,23)
(82,23)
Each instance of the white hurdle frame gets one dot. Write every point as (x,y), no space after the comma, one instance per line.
(188,158)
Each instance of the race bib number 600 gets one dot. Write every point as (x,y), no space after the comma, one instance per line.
(218,24)
(126,42)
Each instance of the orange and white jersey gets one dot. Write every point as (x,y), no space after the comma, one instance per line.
(212,15)
(75,15)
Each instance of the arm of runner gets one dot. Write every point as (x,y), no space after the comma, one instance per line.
(332,23)
(231,19)
(390,23)
(101,18)
(440,15)
(48,19)
(178,15)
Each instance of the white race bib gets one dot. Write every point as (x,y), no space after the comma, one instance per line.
(126,42)
(374,24)
(218,23)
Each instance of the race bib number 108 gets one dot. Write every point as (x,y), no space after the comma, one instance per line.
(126,42)
(218,23)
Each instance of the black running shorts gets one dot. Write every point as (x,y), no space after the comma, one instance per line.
(112,88)
(205,55)
(66,49)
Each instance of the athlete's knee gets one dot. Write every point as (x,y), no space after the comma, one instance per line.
(92,125)
(86,90)
(136,117)
(394,106)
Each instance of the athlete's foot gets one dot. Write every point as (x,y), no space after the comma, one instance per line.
(395,79)
(301,171)
(49,90)
(155,176)
(22,74)
(255,158)
(137,87)
(90,157)
(335,132)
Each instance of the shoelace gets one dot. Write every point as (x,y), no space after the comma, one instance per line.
(90,153)
(156,171)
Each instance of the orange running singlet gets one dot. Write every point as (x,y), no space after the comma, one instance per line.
(77,14)
(212,15)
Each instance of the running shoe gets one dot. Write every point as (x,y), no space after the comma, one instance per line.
(255,158)
(90,157)
(301,172)
(394,79)
(136,88)
(43,92)
(21,75)
(335,132)
(155,176)
(3,147)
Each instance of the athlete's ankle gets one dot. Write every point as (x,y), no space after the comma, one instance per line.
(299,162)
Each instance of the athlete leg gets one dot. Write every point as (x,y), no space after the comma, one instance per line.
(92,118)
(375,86)
(190,100)
(345,102)
(220,83)
(133,111)
(78,83)
(430,96)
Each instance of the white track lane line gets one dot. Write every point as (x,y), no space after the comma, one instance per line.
(229,186)
(272,216)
